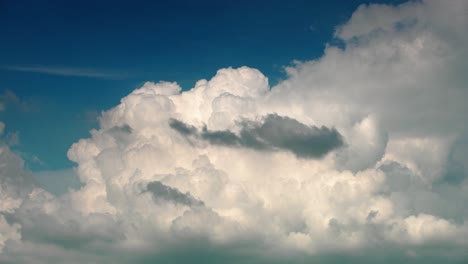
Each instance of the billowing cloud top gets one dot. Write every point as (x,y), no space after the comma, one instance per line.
(360,155)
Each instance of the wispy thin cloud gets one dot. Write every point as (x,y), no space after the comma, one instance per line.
(8,99)
(67,71)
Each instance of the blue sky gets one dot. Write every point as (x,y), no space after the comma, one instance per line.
(69,60)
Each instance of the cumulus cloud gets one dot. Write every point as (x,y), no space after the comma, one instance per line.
(357,156)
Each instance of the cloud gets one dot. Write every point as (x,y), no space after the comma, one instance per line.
(8,99)
(14,180)
(12,139)
(183,128)
(65,71)
(207,174)
(273,132)
(169,194)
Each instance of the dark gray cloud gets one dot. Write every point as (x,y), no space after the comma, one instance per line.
(125,129)
(202,251)
(289,134)
(274,132)
(456,170)
(68,232)
(182,128)
(169,194)
(225,137)
(121,133)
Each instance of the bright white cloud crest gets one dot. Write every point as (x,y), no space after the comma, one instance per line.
(396,177)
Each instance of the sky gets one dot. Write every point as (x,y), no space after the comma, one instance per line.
(71,60)
(233,132)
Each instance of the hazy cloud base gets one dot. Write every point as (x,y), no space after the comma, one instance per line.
(359,156)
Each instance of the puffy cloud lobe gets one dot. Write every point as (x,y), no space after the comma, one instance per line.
(366,145)
(195,170)
(15,183)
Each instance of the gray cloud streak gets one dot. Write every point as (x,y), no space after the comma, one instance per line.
(169,194)
(274,132)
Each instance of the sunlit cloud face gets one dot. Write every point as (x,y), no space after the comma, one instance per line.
(357,156)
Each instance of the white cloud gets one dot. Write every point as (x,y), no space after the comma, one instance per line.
(393,94)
